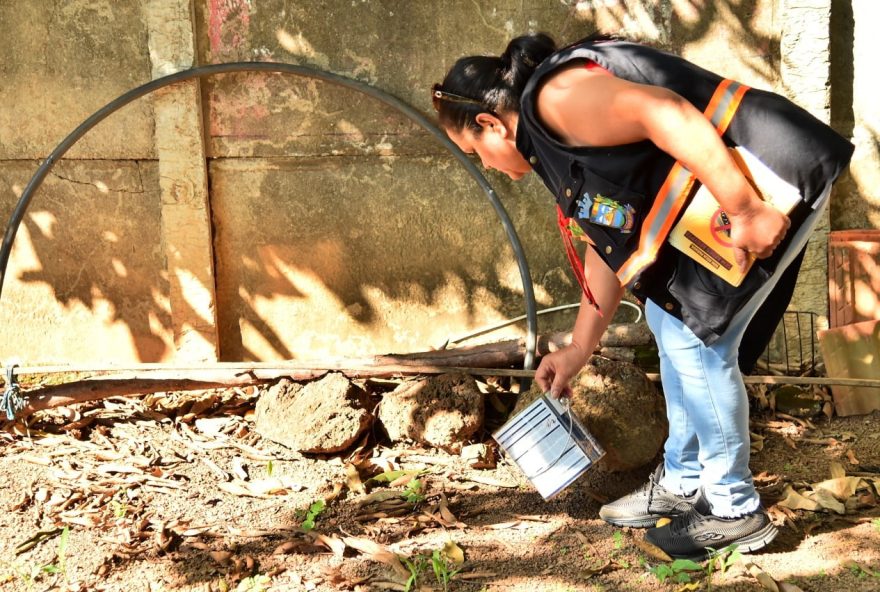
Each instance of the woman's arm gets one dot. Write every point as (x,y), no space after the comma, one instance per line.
(558,368)
(592,109)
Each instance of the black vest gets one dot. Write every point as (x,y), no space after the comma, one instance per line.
(798,147)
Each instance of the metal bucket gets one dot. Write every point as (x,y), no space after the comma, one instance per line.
(549,444)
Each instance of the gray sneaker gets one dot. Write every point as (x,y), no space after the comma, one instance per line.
(643,507)
(697,532)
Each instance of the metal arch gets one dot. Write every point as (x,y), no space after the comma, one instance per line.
(210,70)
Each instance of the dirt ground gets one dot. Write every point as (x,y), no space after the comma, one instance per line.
(175,491)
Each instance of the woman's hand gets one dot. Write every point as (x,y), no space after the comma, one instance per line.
(556,370)
(757,230)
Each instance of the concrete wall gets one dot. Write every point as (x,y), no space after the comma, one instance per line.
(263,216)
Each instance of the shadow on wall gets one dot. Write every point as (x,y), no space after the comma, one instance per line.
(379,223)
(92,237)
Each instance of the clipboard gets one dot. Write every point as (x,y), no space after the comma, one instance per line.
(703,232)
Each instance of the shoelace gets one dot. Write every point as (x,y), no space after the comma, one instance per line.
(685,520)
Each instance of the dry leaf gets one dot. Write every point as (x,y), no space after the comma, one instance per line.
(221,557)
(786,587)
(795,501)
(275,485)
(337,489)
(236,487)
(238,467)
(204,404)
(485,480)
(333,543)
(353,479)
(756,442)
(376,497)
(453,552)
(404,479)
(851,457)
(300,547)
(598,569)
(474,575)
(377,552)
(504,525)
(763,577)
(827,501)
(213,426)
(652,550)
(387,586)
(841,487)
(837,471)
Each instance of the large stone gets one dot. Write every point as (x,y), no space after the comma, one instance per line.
(442,411)
(324,416)
(621,407)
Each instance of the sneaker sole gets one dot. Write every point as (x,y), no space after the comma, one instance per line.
(753,542)
(757,541)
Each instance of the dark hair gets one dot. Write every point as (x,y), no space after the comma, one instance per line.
(494,83)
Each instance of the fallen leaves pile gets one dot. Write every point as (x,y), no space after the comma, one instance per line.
(98,473)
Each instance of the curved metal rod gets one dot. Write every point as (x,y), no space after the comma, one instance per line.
(210,70)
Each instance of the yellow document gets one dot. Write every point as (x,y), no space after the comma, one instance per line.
(703,232)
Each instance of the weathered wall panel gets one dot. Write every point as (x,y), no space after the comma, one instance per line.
(354,256)
(86,280)
(62,61)
(298,166)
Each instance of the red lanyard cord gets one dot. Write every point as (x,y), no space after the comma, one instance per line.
(574,260)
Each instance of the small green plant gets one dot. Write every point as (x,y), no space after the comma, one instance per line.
(720,561)
(876,523)
(862,572)
(413,492)
(60,565)
(678,571)
(618,547)
(257,583)
(270,468)
(119,503)
(442,570)
(308,516)
(417,564)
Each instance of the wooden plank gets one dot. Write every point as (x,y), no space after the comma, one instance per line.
(853,352)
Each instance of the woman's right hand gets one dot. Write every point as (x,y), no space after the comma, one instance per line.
(556,370)
(758,230)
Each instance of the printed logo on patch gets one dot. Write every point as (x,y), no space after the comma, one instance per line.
(606,212)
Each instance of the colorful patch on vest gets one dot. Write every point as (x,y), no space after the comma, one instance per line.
(606,212)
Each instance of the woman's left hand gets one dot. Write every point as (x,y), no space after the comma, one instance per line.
(757,230)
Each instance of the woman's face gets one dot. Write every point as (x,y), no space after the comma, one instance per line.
(495,145)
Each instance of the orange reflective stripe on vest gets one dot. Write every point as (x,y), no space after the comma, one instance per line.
(677,186)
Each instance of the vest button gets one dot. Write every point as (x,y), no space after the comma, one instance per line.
(608,250)
(668,306)
(637,286)
(533,160)
(568,192)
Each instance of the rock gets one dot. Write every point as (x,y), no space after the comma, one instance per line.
(324,416)
(620,407)
(442,411)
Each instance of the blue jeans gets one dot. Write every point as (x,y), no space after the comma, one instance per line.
(706,401)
